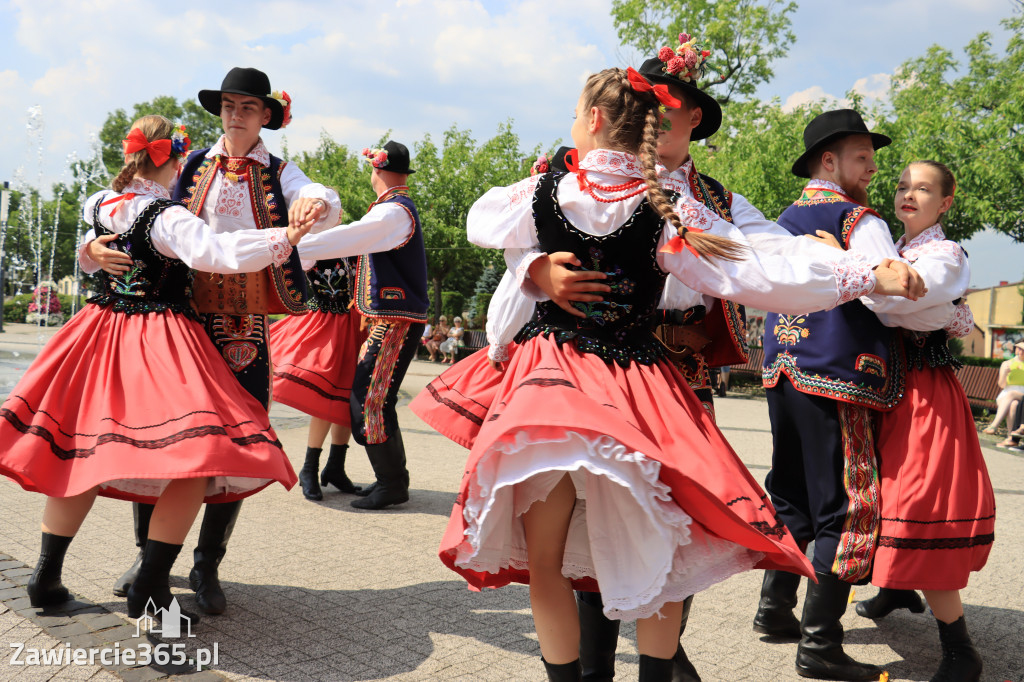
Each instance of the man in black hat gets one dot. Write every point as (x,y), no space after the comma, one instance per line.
(237,184)
(391,293)
(825,374)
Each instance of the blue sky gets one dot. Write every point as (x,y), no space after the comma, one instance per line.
(356,69)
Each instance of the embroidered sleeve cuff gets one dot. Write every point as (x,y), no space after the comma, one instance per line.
(854,279)
(529,289)
(278,245)
(497,353)
(962,323)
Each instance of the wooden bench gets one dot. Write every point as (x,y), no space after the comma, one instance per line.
(472,341)
(752,367)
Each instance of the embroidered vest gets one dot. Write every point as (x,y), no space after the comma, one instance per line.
(393,284)
(283,287)
(330,283)
(619,327)
(154,282)
(845,353)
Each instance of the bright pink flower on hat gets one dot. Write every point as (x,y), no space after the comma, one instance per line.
(690,58)
(365,152)
(684,38)
(666,53)
(675,65)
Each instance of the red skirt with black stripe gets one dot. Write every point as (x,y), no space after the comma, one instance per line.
(938,507)
(315,359)
(129,403)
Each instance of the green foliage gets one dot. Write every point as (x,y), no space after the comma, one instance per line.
(980,362)
(482,300)
(956,346)
(16,307)
(203,128)
(335,166)
(744,36)
(453,304)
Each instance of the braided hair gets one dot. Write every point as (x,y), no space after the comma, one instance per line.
(633,123)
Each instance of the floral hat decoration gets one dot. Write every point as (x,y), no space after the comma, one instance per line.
(540,166)
(285,100)
(378,158)
(393,156)
(180,142)
(683,67)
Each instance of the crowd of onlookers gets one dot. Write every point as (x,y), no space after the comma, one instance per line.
(444,340)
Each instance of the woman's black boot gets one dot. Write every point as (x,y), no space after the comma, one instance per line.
(142,513)
(960,660)
(334,470)
(153,583)
(564,672)
(307,475)
(656,669)
(887,601)
(599,636)
(44,587)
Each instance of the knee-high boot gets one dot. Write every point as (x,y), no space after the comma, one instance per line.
(153,583)
(307,475)
(334,470)
(682,668)
(774,615)
(563,672)
(392,485)
(218,523)
(142,513)
(599,636)
(820,654)
(656,669)
(888,600)
(960,660)
(44,586)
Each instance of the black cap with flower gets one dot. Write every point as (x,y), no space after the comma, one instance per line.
(684,66)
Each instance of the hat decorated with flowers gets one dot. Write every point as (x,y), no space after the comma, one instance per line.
(684,66)
(393,156)
(253,83)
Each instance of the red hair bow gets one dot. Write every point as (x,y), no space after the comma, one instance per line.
(159,150)
(640,84)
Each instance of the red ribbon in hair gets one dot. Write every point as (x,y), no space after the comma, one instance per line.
(159,150)
(678,243)
(640,84)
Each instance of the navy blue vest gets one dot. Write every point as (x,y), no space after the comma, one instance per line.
(393,284)
(288,282)
(845,353)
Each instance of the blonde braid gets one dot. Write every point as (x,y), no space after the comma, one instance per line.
(124,177)
(707,245)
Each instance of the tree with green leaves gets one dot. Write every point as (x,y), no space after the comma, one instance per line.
(744,36)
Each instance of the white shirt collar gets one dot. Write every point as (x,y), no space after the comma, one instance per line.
(932,234)
(818,183)
(259,153)
(612,162)
(144,187)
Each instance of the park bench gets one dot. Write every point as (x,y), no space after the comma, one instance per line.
(472,341)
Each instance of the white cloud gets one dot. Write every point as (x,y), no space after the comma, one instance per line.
(814,93)
(875,86)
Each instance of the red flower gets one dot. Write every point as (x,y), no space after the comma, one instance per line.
(690,57)
(705,53)
(666,53)
(287,109)
(675,65)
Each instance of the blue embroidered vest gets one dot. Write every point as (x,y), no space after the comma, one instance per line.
(288,281)
(619,327)
(393,284)
(154,282)
(330,282)
(845,353)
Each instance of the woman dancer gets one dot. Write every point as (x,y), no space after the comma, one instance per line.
(928,445)
(130,399)
(315,359)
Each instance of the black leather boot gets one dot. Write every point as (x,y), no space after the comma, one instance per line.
(142,513)
(44,586)
(307,475)
(334,470)
(774,615)
(563,672)
(388,461)
(960,660)
(887,601)
(682,669)
(820,654)
(153,583)
(656,669)
(218,523)
(599,637)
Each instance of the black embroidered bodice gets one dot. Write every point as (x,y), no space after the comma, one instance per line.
(154,282)
(330,282)
(928,349)
(619,327)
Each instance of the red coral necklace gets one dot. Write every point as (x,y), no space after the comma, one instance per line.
(637,185)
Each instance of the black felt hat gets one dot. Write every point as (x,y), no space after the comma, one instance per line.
(654,71)
(829,127)
(398,158)
(245,81)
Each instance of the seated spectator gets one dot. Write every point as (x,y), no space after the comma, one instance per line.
(450,347)
(1011,380)
(437,336)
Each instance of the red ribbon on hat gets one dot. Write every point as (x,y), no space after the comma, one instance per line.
(159,150)
(640,84)
(117,200)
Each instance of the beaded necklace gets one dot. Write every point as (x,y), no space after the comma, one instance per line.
(637,185)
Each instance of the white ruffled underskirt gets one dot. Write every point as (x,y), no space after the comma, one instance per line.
(626,530)
(218,485)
